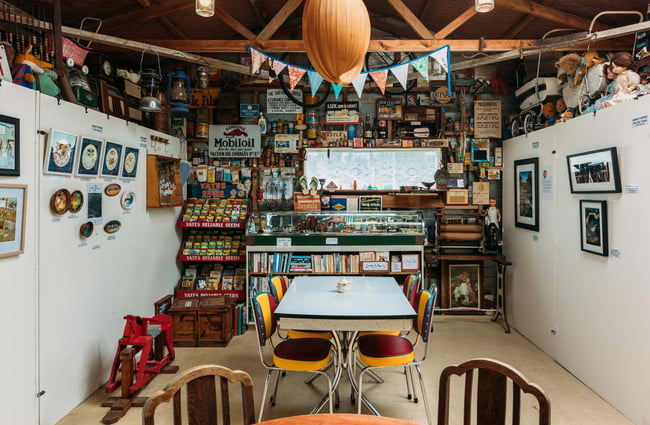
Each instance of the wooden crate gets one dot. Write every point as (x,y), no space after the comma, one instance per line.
(214,322)
(184,321)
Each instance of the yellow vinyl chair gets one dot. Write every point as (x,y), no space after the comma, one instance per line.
(381,350)
(311,355)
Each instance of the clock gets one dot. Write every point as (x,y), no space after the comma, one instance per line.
(100,66)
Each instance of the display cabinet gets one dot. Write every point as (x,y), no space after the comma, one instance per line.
(332,243)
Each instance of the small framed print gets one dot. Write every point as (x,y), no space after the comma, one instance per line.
(90,152)
(594,172)
(410,262)
(130,167)
(9,146)
(465,285)
(527,194)
(389,108)
(593,227)
(457,197)
(60,154)
(111,159)
(12,219)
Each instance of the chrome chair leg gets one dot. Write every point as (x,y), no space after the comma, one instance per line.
(424,394)
(275,388)
(266,387)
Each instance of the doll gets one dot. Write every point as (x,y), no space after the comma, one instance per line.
(492,224)
(626,79)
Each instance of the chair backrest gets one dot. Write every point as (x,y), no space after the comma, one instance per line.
(201,405)
(491,393)
(423,303)
(278,287)
(265,322)
(410,287)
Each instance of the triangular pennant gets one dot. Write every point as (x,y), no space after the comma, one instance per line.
(278,66)
(337,90)
(295,74)
(257,58)
(421,65)
(442,56)
(401,72)
(380,79)
(315,81)
(359,82)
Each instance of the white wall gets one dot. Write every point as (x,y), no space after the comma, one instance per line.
(68,309)
(599,305)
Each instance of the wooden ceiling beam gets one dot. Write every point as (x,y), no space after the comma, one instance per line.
(260,12)
(413,21)
(233,23)
(169,25)
(523,23)
(456,23)
(540,11)
(289,7)
(139,15)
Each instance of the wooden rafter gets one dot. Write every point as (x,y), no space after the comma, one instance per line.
(548,13)
(233,23)
(289,7)
(260,12)
(413,21)
(523,23)
(456,23)
(173,29)
(141,15)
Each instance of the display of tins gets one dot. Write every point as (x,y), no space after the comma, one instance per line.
(60,201)
(112,226)
(86,229)
(112,189)
(76,201)
(128,200)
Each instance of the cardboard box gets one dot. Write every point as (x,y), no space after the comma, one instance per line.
(306,202)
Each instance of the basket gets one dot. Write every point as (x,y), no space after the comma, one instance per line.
(70,49)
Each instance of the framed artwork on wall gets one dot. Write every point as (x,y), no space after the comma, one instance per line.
(594,171)
(60,153)
(130,167)
(465,285)
(12,219)
(527,194)
(90,152)
(9,146)
(111,159)
(593,227)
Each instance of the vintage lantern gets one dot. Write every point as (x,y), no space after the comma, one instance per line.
(204,8)
(178,91)
(149,80)
(336,34)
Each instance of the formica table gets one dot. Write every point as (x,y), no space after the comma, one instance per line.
(336,419)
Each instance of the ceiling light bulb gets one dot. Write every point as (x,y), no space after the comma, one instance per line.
(484,6)
(205,8)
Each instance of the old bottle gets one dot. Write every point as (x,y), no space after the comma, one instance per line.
(262,123)
(367,128)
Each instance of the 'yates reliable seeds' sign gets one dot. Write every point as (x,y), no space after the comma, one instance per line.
(235,141)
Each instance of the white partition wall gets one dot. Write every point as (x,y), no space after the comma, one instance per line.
(587,311)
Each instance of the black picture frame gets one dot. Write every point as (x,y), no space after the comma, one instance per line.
(595,171)
(593,227)
(527,193)
(9,146)
(130,162)
(111,159)
(90,157)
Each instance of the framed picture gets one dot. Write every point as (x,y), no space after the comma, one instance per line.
(593,227)
(410,262)
(111,159)
(9,146)
(457,197)
(527,194)
(90,152)
(130,167)
(60,154)
(113,102)
(412,99)
(465,285)
(12,219)
(389,109)
(594,171)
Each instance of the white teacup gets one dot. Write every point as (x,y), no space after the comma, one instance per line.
(343,285)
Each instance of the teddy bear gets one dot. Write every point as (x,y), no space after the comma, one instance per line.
(568,66)
(562,111)
(549,112)
(47,83)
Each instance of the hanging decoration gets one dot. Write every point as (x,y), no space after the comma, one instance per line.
(336,34)
(379,75)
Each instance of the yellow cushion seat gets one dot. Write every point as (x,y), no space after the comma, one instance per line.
(385,350)
(305,354)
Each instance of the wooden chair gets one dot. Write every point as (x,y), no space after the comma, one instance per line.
(491,393)
(201,405)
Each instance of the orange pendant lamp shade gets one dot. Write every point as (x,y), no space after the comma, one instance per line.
(336,34)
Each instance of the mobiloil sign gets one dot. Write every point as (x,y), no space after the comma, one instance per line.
(235,141)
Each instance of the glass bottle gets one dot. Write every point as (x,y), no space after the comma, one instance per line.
(367,127)
(262,123)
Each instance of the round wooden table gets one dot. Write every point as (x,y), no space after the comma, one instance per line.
(336,419)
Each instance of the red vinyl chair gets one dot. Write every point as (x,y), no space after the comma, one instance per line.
(311,355)
(381,350)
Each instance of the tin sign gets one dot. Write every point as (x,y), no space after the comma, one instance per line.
(235,141)
(247,110)
(277,102)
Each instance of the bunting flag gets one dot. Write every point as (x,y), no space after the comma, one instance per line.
(295,74)
(421,65)
(380,77)
(257,58)
(315,81)
(359,83)
(401,72)
(337,90)
(278,66)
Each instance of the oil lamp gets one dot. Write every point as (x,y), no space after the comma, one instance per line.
(149,80)
(178,91)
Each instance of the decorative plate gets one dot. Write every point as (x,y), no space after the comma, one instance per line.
(76,201)
(112,158)
(89,157)
(129,162)
(112,226)
(128,200)
(112,189)
(60,201)
(86,229)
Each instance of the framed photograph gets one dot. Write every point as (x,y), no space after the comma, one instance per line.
(60,154)
(593,227)
(130,167)
(594,171)
(527,194)
(410,262)
(90,152)
(12,219)
(465,285)
(412,99)
(389,109)
(9,146)
(457,197)
(111,159)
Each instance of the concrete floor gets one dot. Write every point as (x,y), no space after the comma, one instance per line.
(455,339)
